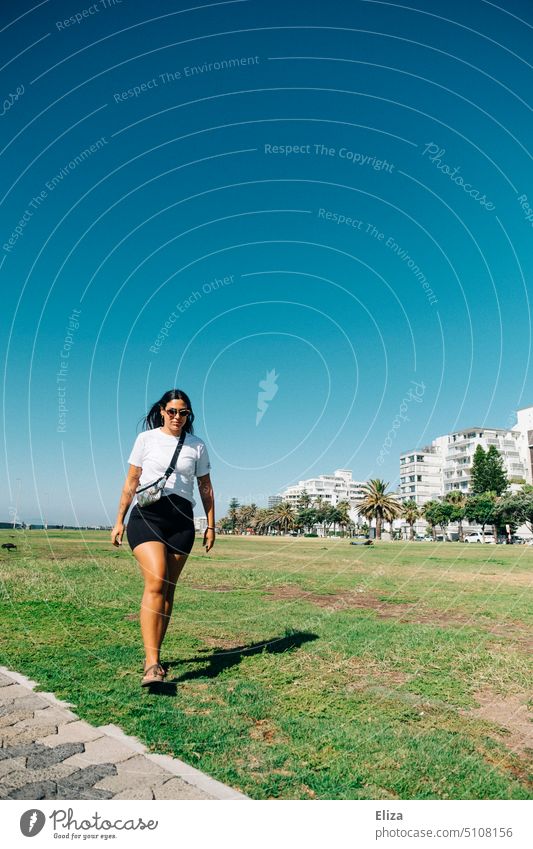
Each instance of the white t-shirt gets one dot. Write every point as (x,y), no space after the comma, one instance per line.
(153,451)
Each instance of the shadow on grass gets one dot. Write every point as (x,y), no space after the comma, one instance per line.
(218,661)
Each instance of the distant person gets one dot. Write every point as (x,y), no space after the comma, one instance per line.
(161,535)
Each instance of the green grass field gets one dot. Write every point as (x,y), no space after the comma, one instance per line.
(301,668)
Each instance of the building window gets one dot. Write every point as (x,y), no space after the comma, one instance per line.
(419,477)
(420,458)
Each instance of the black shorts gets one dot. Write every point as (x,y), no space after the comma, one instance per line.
(168,520)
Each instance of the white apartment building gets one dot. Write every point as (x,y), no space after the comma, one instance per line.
(524,425)
(200,523)
(420,475)
(332,488)
(446,464)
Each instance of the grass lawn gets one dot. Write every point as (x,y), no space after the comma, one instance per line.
(301,668)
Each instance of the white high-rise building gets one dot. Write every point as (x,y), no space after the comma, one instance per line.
(421,474)
(200,523)
(446,464)
(524,425)
(332,488)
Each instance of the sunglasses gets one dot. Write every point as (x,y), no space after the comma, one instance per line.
(173,412)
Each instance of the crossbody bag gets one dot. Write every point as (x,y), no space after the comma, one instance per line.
(152,492)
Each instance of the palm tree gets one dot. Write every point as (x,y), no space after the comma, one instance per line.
(331,517)
(263,520)
(458,499)
(285,515)
(410,513)
(343,510)
(430,511)
(378,504)
(246,514)
(321,510)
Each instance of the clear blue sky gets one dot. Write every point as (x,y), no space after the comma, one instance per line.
(389,108)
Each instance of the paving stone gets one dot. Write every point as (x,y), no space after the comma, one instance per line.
(37,790)
(55,714)
(14,716)
(176,788)
(104,750)
(82,779)
(13,691)
(72,732)
(49,755)
(86,794)
(139,765)
(28,702)
(51,699)
(25,734)
(20,750)
(19,778)
(36,701)
(10,765)
(31,722)
(48,752)
(130,782)
(139,791)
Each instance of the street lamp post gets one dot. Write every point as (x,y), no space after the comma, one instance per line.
(17,504)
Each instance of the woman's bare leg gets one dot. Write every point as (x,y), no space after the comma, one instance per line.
(175,564)
(151,557)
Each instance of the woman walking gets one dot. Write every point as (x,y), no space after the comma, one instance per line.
(161,534)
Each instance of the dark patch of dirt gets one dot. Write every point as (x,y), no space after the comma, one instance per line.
(403,612)
(264,730)
(510,713)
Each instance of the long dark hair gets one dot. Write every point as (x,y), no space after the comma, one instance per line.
(153,417)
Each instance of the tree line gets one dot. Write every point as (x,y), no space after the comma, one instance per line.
(489,502)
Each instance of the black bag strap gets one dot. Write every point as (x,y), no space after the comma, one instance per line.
(175,455)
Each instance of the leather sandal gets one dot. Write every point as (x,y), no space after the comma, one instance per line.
(153,675)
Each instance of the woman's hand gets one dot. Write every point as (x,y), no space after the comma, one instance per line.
(209,539)
(117,533)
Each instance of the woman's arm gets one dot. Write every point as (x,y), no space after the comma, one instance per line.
(128,492)
(208,500)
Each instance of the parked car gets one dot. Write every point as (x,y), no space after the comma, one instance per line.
(477,537)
